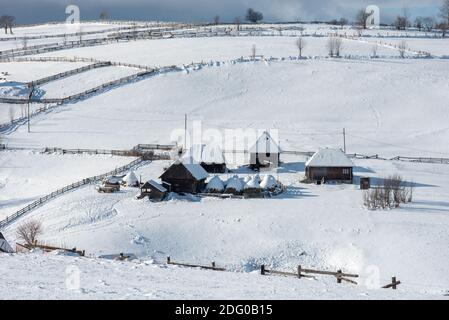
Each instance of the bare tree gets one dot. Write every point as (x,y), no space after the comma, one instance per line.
(419,23)
(4,24)
(402,47)
(428,23)
(400,23)
(238,22)
(444,11)
(334,46)
(253,16)
(300,44)
(362,18)
(25,42)
(7,22)
(216,19)
(253,52)
(443,27)
(104,15)
(29,231)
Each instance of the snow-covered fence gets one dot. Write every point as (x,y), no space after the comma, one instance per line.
(187,265)
(39,202)
(68,73)
(401,158)
(303,273)
(80,95)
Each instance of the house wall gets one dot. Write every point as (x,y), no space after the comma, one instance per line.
(262,159)
(329,174)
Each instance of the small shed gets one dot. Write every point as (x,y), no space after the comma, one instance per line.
(210,157)
(330,165)
(4,245)
(185,176)
(154,190)
(265,152)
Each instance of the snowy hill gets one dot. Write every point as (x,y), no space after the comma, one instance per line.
(388,106)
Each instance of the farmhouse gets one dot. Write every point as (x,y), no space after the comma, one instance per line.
(154,190)
(329,165)
(210,157)
(184,176)
(265,152)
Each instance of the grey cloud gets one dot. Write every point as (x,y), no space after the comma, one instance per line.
(203,10)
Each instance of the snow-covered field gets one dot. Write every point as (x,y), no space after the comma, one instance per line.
(313,101)
(84,81)
(27,175)
(184,51)
(389,106)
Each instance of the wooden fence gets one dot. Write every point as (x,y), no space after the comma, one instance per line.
(300,273)
(48,248)
(69,73)
(39,202)
(80,95)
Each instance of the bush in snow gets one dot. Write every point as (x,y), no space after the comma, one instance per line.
(390,194)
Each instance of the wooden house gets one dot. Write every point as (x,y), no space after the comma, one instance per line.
(330,165)
(185,176)
(154,190)
(265,153)
(210,157)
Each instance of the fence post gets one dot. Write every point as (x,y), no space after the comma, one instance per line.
(262,269)
(213,264)
(339,272)
(299,271)
(393,281)
(168,260)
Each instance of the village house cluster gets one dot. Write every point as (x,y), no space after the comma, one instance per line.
(200,169)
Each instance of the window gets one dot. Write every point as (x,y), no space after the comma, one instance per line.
(346,171)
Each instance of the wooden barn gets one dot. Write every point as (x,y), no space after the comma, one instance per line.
(330,165)
(210,157)
(185,176)
(154,190)
(265,153)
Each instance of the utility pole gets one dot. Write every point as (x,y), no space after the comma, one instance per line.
(185,131)
(344,140)
(29,101)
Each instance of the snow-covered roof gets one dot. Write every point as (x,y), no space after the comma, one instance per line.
(252,184)
(265,144)
(215,184)
(268,182)
(328,157)
(157,186)
(114,179)
(209,154)
(234,183)
(195,169)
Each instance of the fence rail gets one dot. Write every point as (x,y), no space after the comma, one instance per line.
(68,73)
(39,202)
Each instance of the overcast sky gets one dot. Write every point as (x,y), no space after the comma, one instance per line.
(32,11)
